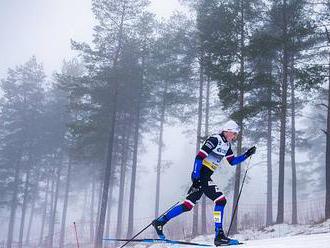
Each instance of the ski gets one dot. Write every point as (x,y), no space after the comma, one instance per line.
(229,244)
(167,241)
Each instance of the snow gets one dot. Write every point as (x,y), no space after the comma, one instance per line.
(284,230)
(308,240)
(276,236)
(313,241)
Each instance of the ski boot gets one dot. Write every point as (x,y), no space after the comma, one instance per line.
(222,239)
(158,225)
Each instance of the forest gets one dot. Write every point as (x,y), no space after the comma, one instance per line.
(73,144)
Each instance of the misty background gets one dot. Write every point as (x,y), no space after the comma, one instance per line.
(49,36)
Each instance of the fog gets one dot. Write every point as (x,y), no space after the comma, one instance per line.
(44,29)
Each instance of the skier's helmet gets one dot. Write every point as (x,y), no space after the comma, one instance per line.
(231,126)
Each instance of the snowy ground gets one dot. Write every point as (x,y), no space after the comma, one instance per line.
(303,240)
(277,236)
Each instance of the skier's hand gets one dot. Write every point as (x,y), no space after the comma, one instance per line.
(251,151)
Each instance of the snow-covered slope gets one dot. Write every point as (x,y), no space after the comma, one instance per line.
(301,241)
(277,236)
(284,235)
(284,230)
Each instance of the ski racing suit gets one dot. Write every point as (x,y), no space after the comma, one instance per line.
(207,161)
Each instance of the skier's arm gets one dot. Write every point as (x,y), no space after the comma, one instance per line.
(207,147)
(232,159)
(239,159)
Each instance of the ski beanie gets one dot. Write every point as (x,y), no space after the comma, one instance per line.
(231,126)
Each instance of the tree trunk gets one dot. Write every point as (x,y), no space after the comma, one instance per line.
(122,185)
(35,193)
(207,107)
(107,229)
(65,203)
(52,200)
(133,179)
(280,204)
(14,200)
(234,228)
(98,205)
(106,179)
(91,230)
(33,201)
(107,226)
(293,147)
(198,140)
(327,162)
(24,206)
(52,218)
(107,174)
(135,151)
(269,211)
(99,191)
(111,185)
(44,213)
(85,207)
(160,150)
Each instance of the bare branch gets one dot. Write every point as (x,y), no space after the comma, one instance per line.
(323,105)
(327,32)
(325,132)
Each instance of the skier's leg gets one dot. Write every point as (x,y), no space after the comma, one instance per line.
(185,206)
(219,207)
(211,190)
(193,196)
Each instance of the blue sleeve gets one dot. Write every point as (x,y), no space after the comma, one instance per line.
(195,175)
(234,160)
(237,160)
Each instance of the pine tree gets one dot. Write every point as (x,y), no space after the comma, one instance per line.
(64,99)
(172,59)
(116,22)
(224,33)
(295,34)
(264,100)
(20,112)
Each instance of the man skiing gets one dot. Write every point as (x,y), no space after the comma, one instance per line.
(206,162)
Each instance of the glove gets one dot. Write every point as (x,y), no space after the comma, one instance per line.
(250,152)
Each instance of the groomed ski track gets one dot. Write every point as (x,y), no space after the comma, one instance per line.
(310,241)
(321,240)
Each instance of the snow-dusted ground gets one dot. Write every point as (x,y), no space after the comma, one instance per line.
(307,240)
(277,236)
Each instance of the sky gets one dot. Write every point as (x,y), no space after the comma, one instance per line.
(44,28)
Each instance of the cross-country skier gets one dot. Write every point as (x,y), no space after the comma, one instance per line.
(206,162)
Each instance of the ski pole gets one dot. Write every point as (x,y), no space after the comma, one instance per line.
(239,195)
(128,241)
